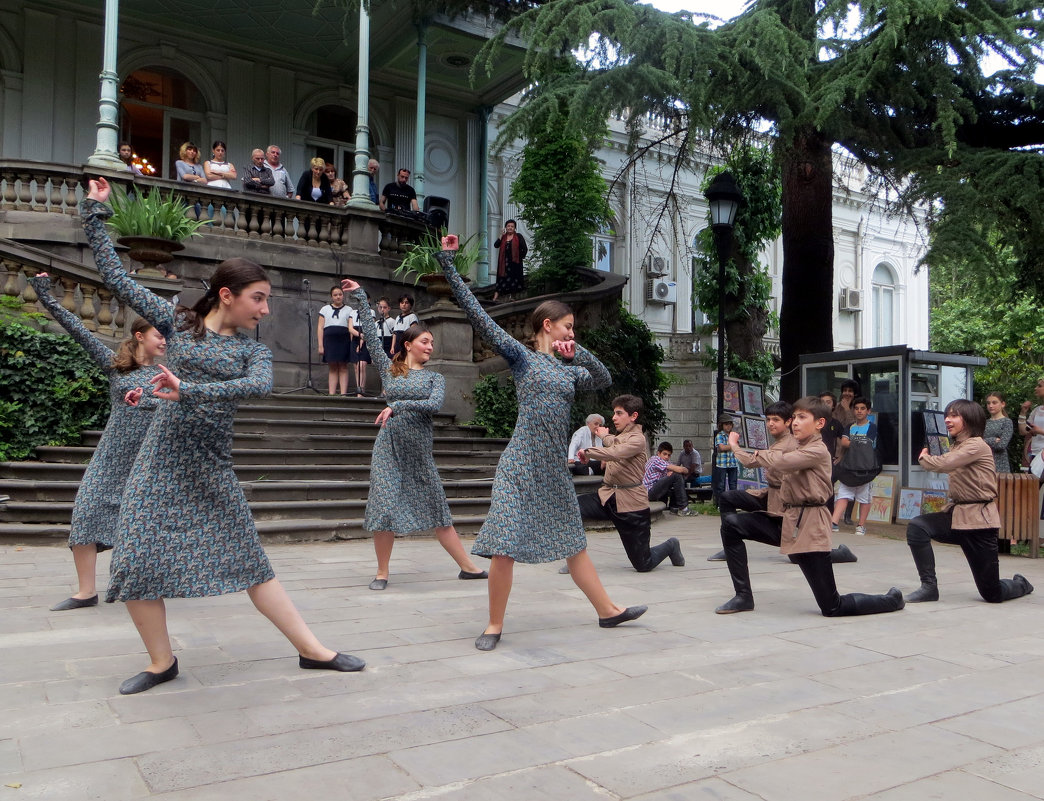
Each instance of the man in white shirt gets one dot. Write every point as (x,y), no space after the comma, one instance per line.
(283,186)
(585,437)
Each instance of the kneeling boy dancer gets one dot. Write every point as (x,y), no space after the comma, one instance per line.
(804,530)
(622,497)
(777,421)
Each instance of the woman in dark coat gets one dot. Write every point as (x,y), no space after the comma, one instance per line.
(314,185)
(513,249)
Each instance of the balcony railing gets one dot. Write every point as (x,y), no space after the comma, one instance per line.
(27,186)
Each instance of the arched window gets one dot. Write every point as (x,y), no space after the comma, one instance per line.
(602,247)
(160,109)
(883,309)
(331,137)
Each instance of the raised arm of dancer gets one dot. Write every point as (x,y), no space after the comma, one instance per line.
(257,383)
(356,296)
(592,373)
(150,306)
(430,404)
(99,354)
(501,341)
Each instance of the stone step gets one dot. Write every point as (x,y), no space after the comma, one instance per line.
(279,426)
(65,491)
(65,471)
(337,441)
(331,413)
(78,454)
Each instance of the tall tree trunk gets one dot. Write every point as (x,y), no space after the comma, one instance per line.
(807,306)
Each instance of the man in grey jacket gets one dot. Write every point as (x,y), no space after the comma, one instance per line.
(258,177)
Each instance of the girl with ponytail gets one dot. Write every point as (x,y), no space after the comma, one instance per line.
(185,529)
(405,489)
(96,509)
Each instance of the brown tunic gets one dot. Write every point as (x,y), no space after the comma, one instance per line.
(624,456)
(844,416)
(773,477)
(973,477)
(804,492)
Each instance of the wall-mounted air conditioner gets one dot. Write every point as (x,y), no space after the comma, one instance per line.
(658,266)
(851,299)
(660,291)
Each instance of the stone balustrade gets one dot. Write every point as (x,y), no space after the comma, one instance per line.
(27,186)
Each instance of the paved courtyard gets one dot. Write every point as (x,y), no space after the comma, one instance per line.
(941,700)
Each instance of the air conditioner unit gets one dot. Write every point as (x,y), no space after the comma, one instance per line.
(658,266)
(851,299)
(659,291)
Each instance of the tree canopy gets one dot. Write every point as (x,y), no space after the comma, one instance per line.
(898,83)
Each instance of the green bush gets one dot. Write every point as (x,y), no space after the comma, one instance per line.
(49,390)
(496,406)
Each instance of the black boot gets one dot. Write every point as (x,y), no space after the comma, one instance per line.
(924,561)
(858,603)
(743,601)
(1015,587)
(717,557)
(841,554)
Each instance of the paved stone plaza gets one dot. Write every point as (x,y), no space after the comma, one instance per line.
(941,700)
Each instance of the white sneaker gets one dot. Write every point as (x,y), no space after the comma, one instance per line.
(860,531)
(834,528)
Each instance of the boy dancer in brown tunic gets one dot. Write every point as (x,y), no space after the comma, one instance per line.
(804,529)
(777,420)
(622,497)
(970,518)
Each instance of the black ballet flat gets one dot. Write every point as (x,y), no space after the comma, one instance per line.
(487,642)
(75,603)
(146,680)
(378,584)
(345,663)
(630,613)
(739,603)
(463,575)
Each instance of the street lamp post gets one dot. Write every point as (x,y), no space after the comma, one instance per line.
(724,198)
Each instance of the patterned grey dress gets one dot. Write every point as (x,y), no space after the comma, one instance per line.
(997,435)
(185,528)
(533,514)
(405,489)
(96,509)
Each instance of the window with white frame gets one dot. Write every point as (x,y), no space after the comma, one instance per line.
(883,302)
(602,249)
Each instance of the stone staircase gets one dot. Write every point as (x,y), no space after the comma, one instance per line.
(303,462)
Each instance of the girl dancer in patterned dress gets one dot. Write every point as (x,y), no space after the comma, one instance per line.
(405,490)
(534,515)
(185,529)
(97,506)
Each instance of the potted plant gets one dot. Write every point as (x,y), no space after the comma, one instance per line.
(151,226)
(421,262)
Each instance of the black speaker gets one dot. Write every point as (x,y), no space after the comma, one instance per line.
(438,209)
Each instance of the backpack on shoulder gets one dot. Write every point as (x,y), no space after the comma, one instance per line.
(861,463)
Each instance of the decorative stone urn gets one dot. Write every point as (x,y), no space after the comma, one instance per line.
(151,252)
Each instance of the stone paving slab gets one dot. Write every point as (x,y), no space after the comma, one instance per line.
(940,700)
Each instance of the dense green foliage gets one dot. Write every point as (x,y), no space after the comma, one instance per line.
(898,83)
(980,306)
(629,351)
(496,405)
(49,390)
(748,287)
(563,198)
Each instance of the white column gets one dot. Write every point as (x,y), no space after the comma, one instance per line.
(105,151)
(422,90)
(360,176)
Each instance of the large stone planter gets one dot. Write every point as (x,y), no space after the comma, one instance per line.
(151,252)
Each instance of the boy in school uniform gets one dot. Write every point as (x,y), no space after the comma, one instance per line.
(777,421)
(622,497)
(862,426)
(804,529)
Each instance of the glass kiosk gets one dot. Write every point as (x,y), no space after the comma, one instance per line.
(900,383)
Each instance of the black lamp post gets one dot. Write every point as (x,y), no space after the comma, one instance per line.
(725,198)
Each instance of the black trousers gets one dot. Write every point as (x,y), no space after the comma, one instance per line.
(633,528)
(734,500)
(980,549)
(815,566)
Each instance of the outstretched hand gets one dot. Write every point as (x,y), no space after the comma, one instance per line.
(733,439)
(601,432)
(133,396)
(382,418)
(582,457)
(566,348)
(348,285)
(166,385)
(100,189)
(450,242)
